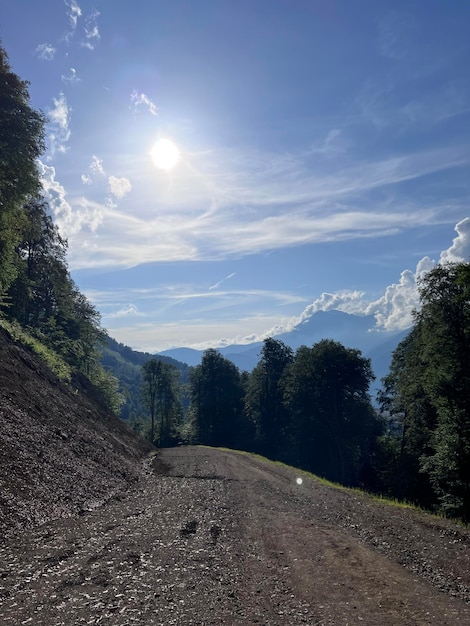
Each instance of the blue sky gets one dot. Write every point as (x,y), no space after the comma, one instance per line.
(324,154)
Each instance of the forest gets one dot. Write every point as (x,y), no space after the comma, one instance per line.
(311,408)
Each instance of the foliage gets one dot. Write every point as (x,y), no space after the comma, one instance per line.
(160,396)
(264,398)
(55,363)
(333,422)
(428,387)
(38,299)
(21,143)
(126,365)
(216,409)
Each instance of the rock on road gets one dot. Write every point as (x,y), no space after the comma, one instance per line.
(216,537)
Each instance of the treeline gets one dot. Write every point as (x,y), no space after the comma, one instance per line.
(311,408)
(427,398)
(36,290)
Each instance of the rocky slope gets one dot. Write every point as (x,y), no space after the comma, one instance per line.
(61,453)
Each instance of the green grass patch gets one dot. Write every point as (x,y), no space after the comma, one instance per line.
(55,363)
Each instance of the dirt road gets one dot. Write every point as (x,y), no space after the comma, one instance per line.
(213,537)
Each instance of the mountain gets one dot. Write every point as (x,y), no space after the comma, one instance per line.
(353,331)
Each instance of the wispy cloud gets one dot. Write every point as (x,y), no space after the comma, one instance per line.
(92,33)
(71,78)
(45,52)
(96,165)
(97,170)
(217,284)
(203,318)
(212,318)
(236,204)
(74,12)
(141,99)
(395,34)
(58,128)
(130,310)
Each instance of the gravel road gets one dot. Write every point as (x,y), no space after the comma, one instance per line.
(215,537)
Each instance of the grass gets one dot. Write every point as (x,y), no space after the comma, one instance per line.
(34,345)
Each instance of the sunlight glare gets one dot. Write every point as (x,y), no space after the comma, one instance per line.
(165,154)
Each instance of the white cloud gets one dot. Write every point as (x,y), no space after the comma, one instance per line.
(71,220)
(59,130)
(119,187)
(460,248)
(45,51)
(128,311)
(57,198)
(393,311)
(96,165)
(71,78)
(96,168)
(139,99)
(92,33)
(73,13)
(212,323)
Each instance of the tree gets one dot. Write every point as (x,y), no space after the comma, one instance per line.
(429,383)
(21,143)
(216,401)
(444,321)
(411,420)
(326,391)
(264,398)
(41,265)
(160,397)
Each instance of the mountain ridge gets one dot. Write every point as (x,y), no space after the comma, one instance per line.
(353,331)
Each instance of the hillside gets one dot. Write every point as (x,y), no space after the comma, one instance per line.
(126,365)
(61,453)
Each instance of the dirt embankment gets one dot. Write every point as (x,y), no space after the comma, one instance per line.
(97,530)
(60,453)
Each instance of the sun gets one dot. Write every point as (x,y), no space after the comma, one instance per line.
(165,154)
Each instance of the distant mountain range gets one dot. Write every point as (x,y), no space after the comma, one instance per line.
(353,331)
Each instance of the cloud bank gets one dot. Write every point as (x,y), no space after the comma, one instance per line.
(393,311)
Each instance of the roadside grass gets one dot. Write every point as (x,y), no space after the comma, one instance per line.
(34,345)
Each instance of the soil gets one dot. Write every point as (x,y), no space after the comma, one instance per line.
(99,529)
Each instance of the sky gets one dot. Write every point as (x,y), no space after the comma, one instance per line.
(321,153)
